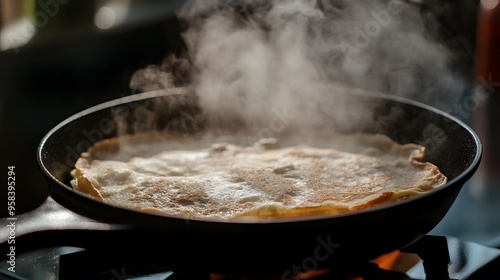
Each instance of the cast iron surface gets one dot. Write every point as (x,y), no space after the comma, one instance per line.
(263,246)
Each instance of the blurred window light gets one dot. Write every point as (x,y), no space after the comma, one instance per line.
(16,28)
(105,18)
(111,13)
(489,4)
(16,34)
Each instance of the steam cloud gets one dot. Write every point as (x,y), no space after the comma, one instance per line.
(247,59)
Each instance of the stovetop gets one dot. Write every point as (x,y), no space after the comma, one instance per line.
(468,260)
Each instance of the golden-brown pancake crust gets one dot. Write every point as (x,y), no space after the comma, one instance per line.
(221,181)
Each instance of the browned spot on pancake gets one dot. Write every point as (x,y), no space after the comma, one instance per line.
(275,186)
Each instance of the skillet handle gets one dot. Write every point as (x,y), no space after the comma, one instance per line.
(52,225)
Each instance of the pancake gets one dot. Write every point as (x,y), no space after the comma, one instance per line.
(218,179)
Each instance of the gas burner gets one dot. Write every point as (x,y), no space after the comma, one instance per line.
(443,258)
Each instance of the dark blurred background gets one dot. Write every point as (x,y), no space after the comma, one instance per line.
(58,57)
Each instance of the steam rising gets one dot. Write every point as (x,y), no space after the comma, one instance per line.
(248,60)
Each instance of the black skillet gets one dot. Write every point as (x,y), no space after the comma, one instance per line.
(277,246)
